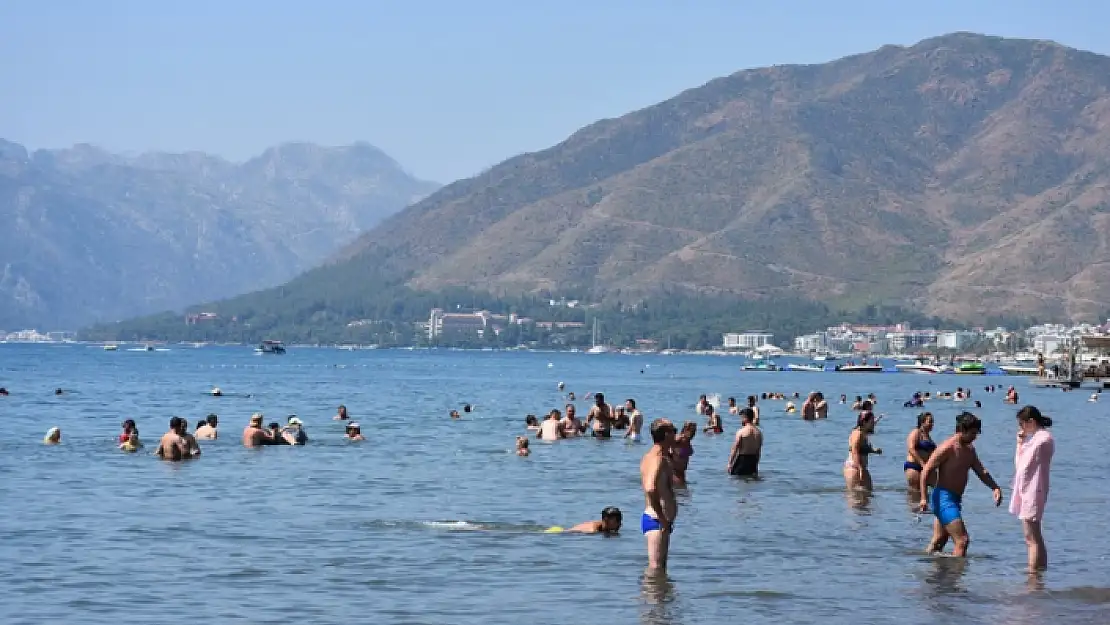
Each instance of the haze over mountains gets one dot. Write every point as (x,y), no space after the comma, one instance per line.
(966,176)
(88,235)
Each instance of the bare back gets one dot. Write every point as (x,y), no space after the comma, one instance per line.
(749,441)
(171,447)
(953,462)
(656,478)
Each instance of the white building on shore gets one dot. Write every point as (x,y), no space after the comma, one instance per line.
(747,340)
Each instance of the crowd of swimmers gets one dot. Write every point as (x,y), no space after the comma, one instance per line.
(936,474)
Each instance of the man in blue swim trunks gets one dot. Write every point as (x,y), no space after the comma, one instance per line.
(657,479)
(952,461)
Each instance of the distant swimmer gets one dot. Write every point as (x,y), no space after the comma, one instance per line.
(713,422)
(561,386)
(132,444)
(294,432)
(354,432)
(467,408)
(551,428)
(128,427)
(53,436)
(455,414)
(1093,397)
(952,461)
(208,429)
(635,421)
(216,392)
(790,407)
(342,414)
(58,391)
(192,449)
(522,446)
(172,446)
(660,510)
(4,392)
(609,525)
(254,435)
(743,460)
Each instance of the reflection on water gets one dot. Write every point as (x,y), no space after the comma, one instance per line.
(657,595)
(859,499)
(434,520)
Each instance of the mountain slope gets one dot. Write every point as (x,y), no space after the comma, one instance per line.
(966,175)
(94,236)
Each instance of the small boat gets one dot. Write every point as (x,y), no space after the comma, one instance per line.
(1018,370)
(270,347)
(920,367)
(111,348)
(761,365)
(824,357)
(971,368)
(804,367)
(859,368)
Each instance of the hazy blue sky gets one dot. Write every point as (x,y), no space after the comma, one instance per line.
(448,88)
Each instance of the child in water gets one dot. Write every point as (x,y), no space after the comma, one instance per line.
(132,443)
(354,432)
(522,446)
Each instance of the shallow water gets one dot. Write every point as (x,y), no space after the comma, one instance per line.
(436,521)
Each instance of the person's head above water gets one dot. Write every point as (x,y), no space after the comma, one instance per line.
(662,431)
(747,416)
(201,423)
(53,435)
(58,391)
(611,519)
(925,421)
(968,426)
(866,421)
(256,420)
(212,420)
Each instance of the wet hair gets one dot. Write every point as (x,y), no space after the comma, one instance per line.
(751,398)
(466,407)
(747,415)
(866,405)
(612,512)
(530,419)
(921,418)
(865,416)
(967,422)
(175,422)
(731,401)
(659,429)
(212,420)
(201,423)
(631,402)
(599,398)
(522,442)
(1031,413)
(129,424)
(274,425)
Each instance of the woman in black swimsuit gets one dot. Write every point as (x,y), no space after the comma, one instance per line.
(919,446)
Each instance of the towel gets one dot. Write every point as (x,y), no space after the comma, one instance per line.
(1031,468)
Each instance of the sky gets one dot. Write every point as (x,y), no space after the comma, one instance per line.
(447,88)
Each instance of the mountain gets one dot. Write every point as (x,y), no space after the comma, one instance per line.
(88,235)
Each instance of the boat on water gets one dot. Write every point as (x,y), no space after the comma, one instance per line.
(876,368)
(805,367)
(111,348)
(825,357)
(1018,370)
(921,367)
(761,364)
(971,368)
(270,347)
(595,346)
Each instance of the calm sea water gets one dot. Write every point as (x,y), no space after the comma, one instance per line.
(386,531)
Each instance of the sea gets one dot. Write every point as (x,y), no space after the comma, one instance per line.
(433,520)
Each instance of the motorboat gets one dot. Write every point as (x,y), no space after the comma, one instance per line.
(971,368)
(805,367)
(920,367)
(270,347)
(1018,370)
(864,368)
(761,364)
(111,348)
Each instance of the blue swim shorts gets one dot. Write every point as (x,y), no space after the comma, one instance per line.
(649,523)
(946,505)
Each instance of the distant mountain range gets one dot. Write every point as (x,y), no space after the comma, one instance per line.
(86,235)
(964,176)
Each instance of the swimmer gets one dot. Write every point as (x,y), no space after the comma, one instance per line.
(1093,397)
(531,423)
(561,387)
(609,525)
(192,449)
(522,446)
(743,460)
(856,474)
(571,425)
(660,509)
(820,405)
(342,414)
(132,444)
(467,408)
(4,392)
(53,436)
(551,429)
(733,409)
(254,435)
(172,446)
(635,421)
(682,450)
(58,391)
(790,407)
(455,414)
(208,430)
(809,407)
(755,409)
(353,432)
(216,392)
(600,417)
(952,461)
(293,432)
(128,427)
(919,446)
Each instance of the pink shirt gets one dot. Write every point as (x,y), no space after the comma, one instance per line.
(1032,460)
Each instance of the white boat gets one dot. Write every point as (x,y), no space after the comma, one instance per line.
(111,348)
(1018,370)
(859,368)
(805,367)
(824,357)
(920,367)
(596,348)
(760,364)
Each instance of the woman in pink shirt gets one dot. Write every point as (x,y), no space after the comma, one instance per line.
(1032,461)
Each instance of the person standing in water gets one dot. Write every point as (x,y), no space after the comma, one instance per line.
(743,460)
(682,450)
(208,431)
(919,446)
(600,417)
(635,421)
(551,429)
(656,477)
(1032,462)
(952,461)
(856,474)
(754,408)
